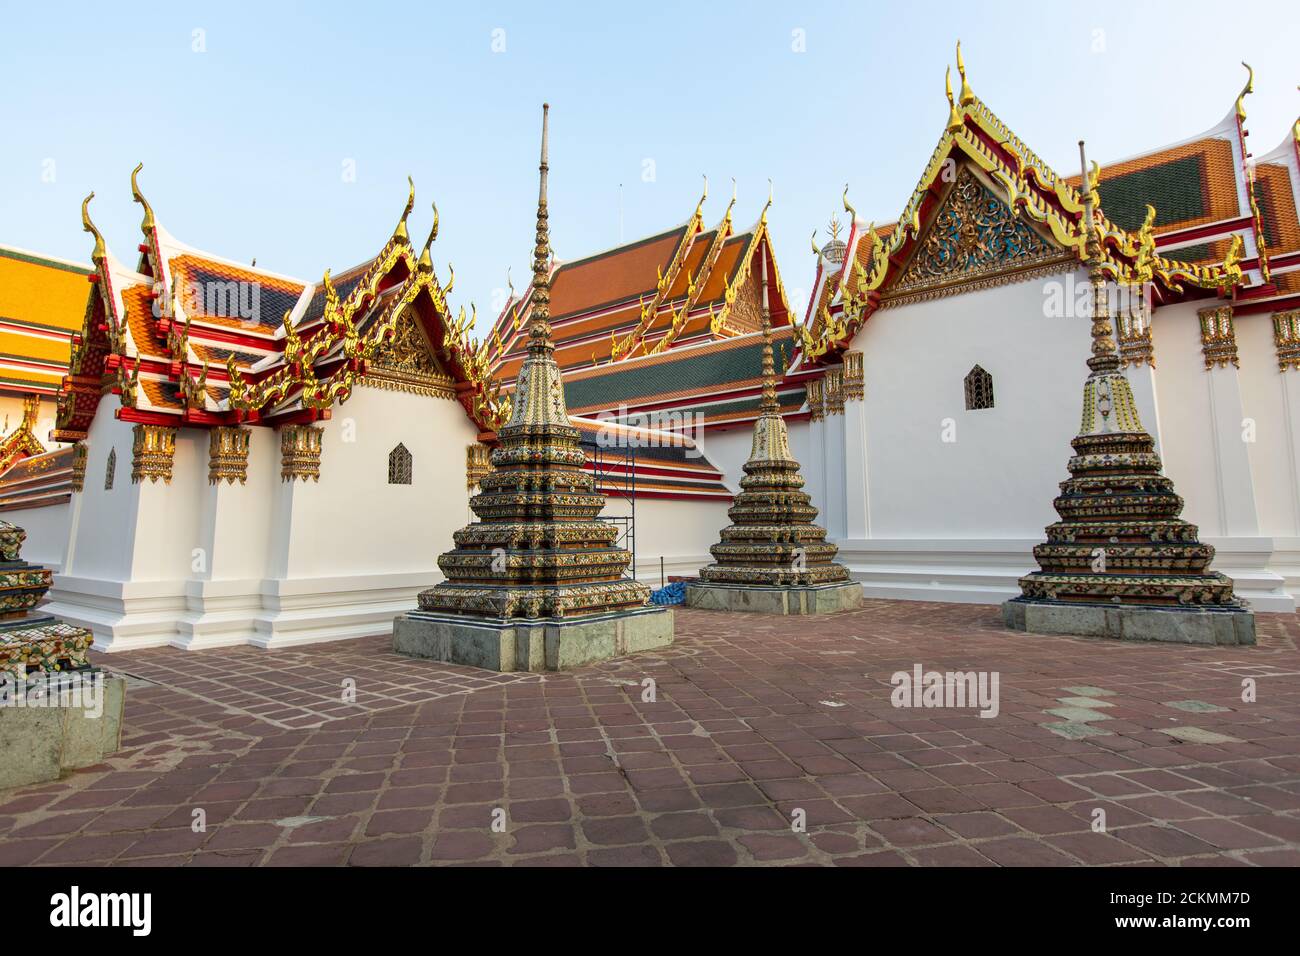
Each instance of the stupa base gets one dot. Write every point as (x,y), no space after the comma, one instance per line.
(813,599)
(1175,625)
(539,645)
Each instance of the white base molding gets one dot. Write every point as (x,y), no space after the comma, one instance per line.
(197,614)
(1264,571)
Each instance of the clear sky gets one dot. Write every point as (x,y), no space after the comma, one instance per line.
(248,127)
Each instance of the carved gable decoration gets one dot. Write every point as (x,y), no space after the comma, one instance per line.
(406,363)
(974,238)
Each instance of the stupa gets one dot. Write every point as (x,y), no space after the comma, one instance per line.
(1121,563)
(537,582)
(773,559)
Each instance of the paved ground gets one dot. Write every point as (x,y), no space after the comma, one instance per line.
(756,725)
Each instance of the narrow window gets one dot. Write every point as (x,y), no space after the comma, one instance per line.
(399,466)
(979,389)
(112,468)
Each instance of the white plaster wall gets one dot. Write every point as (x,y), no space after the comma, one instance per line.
(728,450)
(1264,403)
(104,539)
(678,531)
(998,478)
(47,533)
(353,521)
(1182,384)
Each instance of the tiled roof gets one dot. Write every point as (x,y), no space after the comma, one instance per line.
(1190,184)
(231,296)
(614,276)
(1275,195)
(42,302)
(680,373)
(36,482)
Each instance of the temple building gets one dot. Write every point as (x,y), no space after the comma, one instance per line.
(947,348)
(253,458)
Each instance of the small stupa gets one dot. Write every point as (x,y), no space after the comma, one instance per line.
(772,559)
(32,643)
(537,582)
(1121,563)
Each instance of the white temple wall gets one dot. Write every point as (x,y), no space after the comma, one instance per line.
(728,450)
(351,551)
(939,470)
(47,533)
(679,531)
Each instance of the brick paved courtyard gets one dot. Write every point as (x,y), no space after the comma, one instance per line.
(753,719)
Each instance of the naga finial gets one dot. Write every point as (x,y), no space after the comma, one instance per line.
(1248,88)
(400,232)
(148,223)
(98,255)
(853,214)
(954,118)
(426,259)
(965,97)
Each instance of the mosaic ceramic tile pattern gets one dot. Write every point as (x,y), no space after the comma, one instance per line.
(752,719)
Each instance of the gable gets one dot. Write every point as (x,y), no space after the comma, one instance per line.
(405,361)
(972,237)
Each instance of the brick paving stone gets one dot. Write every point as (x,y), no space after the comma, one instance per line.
(741,737)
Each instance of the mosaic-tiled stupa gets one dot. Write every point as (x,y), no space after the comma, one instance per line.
(537,582)
(32,643)
(1121,562)
(772,558)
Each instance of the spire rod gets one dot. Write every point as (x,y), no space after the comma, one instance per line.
(1104,357)
(768,406)
(539,325)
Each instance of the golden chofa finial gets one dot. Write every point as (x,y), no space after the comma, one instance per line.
(99,254)
(426,259)
(699,206)
(965,97)
(147,224)
(1248,88)
(400,232)
(954,118)
(853,213)
(771,193)
(813,242)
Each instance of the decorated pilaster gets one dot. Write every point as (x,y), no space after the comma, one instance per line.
(300,447)
(1228,425)
(1120,562)
(228,455)
(772,558)
(857,516)
(537,582)
(153,449)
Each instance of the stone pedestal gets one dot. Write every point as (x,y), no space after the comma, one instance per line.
(1128,622)
(815,599)
(40,742)
(523,645)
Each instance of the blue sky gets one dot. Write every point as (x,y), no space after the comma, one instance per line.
(245,143)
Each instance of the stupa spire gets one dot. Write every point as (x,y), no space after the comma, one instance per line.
(539,325)
(772,558)
(1121,562)
(538,551)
